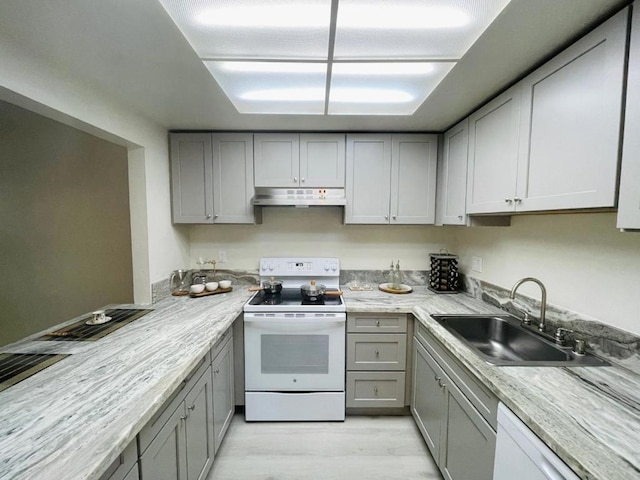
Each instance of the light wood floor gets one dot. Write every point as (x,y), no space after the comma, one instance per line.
(371,448)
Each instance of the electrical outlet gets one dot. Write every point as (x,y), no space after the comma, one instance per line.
(476,264)
(222,256)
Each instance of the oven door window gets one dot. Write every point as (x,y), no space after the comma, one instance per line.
(294,354)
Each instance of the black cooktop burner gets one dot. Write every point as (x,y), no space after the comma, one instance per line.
(291,296)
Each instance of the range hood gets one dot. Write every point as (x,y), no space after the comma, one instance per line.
(299,197)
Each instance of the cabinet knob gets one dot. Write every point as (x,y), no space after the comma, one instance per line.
(295,179)
(216,371)
(442,385)
(459,217)
(517,199)
(436,378)
(209,215)
(192,407)
(386,217)
(377,353)
(377,323)
(375,390)
(302,179)
(394,217)
(183,417)
(508,200)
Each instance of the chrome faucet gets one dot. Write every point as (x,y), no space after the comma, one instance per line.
(543,300)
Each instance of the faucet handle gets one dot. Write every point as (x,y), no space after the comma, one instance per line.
(560,335)
(526,320)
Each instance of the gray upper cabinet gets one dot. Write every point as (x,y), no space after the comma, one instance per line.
(551,142)
(452,176)
(191,178)
(277,159)
(493,154)
(212,177)
(570,122)
(391,179)
(299,160)
(629,200)
(233,178)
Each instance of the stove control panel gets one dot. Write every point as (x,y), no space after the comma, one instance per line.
(288,267)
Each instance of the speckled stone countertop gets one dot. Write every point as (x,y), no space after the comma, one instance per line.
(72,420)
(590,416)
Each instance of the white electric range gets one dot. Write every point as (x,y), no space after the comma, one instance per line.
(295,349)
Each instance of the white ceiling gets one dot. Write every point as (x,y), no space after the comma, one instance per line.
(134,52)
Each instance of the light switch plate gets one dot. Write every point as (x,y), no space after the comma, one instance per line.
(476,264)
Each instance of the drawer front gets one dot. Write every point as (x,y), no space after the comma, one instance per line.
(368,351)
(375,389)
(123,464)
(376,323)
(221,342)
(479,395)
(153,427)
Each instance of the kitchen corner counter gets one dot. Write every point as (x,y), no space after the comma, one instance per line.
(114,385)
(590,416)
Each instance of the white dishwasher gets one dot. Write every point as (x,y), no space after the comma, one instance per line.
(521,454)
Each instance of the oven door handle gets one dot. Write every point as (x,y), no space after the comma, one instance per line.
(292,325)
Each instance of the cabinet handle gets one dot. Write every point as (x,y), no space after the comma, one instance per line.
(215,216)
(508,200)
(459,217)
(436,378)
(517,199)
(302,179)
(209,215)
(295,179)
(394,217)
(375,391)
(377,353)
(192,407)
(183,417)
(216,371)
(377,323)
(442,385)
(386,217)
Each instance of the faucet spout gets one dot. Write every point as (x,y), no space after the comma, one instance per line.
(543,300)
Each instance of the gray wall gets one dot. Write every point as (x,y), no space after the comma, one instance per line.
(65,236)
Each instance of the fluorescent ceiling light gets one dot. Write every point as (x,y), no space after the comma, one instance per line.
(403,17)
(384,57)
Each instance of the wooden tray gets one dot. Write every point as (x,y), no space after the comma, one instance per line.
(386,287)
(207,293)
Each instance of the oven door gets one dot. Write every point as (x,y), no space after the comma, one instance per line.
(294,352)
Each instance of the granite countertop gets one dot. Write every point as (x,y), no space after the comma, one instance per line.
(590,415)
(107,390)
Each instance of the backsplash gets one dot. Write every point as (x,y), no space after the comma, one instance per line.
(617,346)
(160,290)
(375,277)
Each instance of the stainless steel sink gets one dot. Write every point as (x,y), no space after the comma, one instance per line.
(502,340)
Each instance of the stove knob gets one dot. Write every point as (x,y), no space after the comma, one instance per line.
(326,267)
(334,267)
(271,266)
(263,266)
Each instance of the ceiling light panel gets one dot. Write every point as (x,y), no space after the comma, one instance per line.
(411,29)
(383,88)
(254,29)
(272,87)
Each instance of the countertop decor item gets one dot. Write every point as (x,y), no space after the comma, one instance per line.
(206,293)
(390,288)
(443,277)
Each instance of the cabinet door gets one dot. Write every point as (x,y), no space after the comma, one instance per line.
(493,154)
(629,201)
(322,160)
(570,124)
(368,179)
(452,176)
(428,398)
(199,428)
(414,161)
(469,441)
(166,457)
(233,178)
(191,178)
(223,392)
(276,159)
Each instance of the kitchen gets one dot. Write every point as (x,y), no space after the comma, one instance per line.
(605,260)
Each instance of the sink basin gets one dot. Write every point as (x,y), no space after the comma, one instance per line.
(502,340)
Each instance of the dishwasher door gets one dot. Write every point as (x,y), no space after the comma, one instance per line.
(521,454)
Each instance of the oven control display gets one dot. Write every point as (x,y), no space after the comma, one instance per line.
(300,266)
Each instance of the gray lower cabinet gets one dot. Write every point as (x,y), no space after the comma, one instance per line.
(376,360)
(223,390)
(453,412)
(125,467)
(183,447)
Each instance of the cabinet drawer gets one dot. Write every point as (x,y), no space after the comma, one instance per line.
(375,389)
(376,323)
(221,342)
(368,351)
(123,464)
(151,429)
(479,396)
